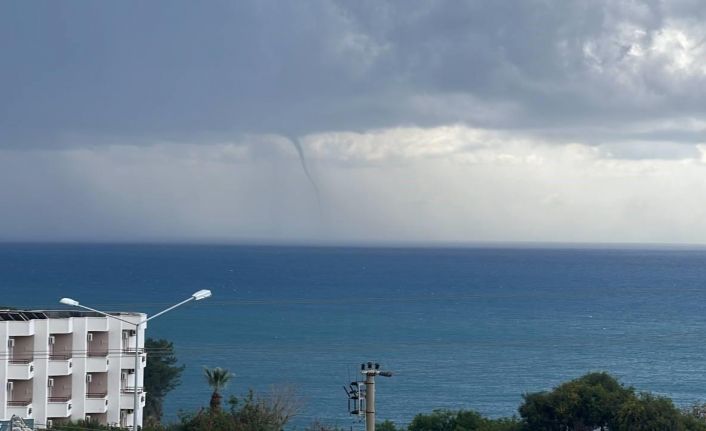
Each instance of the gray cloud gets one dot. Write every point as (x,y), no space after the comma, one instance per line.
(182,70)
(470,185)
(451,120)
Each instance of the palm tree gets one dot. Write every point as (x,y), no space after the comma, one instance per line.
(217,379)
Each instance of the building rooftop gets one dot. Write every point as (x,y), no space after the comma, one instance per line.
(25,315)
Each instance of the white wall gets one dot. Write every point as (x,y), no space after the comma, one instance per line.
(74,384)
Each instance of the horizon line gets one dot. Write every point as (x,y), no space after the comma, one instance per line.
(249,242)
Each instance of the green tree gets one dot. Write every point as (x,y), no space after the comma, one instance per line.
(264,413)
(584,404)
(212,420)
(251,413)
(438,420)
(694,418)
(599,401)
(161,376)
(217,379)
(462,420)
(320,426)
(697,411)
(502,424)
(387,426)
(647,412)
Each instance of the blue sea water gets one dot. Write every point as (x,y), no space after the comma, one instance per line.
(461,328)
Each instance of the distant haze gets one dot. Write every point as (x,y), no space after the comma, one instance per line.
(418,121)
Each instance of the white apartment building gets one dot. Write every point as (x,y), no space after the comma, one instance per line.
(70,365)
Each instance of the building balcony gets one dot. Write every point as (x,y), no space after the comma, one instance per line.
(21,408)
(126,418)
(20,370)
(61,326)
(59,407)
(127,359)
(127,397)
(96,403)
(20,329)
(97,364)
(60,365)
(96,324)
(98,418)
(97,353)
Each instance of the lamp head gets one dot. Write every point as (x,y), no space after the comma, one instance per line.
(69,301)
(201,294)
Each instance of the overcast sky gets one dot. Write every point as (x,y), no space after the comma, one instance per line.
(458,121)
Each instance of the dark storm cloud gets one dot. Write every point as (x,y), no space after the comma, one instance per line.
(173,70)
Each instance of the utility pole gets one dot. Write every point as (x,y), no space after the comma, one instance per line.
(364,400)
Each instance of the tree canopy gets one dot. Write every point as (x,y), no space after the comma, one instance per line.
(161,376)
(597,401)
(217,379)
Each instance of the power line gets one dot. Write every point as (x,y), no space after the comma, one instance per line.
(259,347)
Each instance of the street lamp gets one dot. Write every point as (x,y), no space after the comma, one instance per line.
(197,296)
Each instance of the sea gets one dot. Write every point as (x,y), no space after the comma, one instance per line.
(459,327)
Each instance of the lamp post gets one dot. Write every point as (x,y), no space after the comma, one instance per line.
(197,296)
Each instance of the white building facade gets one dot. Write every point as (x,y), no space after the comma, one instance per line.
(70,365)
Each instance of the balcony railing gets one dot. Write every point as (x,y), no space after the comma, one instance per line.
(97,354)
(20,403)
(131,350)
(59,399)
(96,394)
(130,390)
(61,357)
(21,360)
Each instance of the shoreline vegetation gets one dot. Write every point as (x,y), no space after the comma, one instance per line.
(595,401)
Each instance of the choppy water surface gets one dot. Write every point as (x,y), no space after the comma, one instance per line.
(462,328)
